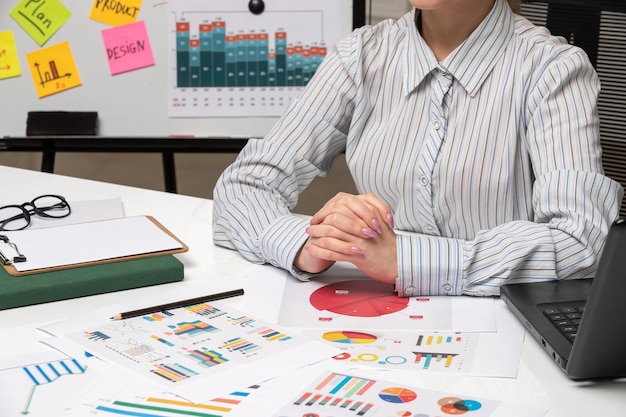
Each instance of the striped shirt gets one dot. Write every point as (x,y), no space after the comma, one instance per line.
(490,159)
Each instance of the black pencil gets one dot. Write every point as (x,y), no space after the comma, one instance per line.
(177,304)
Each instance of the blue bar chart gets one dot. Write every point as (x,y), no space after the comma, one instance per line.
(218,59)
(226,61)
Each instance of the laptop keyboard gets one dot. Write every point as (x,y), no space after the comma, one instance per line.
(565,316)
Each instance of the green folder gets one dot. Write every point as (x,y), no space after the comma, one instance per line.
(24,290)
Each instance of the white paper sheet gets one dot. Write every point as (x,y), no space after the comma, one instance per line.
(88,242)
(196,352)
(271,287)
(493,354)
(344,394)
(43,384)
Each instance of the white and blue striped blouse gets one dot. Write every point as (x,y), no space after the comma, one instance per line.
(490,159)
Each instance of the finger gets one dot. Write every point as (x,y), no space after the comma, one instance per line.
(383,209)
(343,218)
(354,207)
(334,250)
(368,207)
(338,223)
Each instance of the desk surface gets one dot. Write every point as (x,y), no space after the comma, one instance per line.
(209,268)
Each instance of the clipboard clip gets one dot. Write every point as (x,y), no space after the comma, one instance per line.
(7,261)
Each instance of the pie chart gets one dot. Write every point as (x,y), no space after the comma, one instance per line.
(456,406)
(358,298)
(397,395)
(348,337)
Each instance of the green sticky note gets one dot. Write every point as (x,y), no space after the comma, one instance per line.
(40,18)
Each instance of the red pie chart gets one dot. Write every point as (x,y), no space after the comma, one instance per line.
(358,298)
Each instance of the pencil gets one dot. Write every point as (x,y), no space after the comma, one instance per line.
(177,304)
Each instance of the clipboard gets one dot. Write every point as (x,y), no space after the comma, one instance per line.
(87,244)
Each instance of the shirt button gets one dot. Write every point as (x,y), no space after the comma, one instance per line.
(430,229)
(436,125)
(447,288)
(424,180)
(409,290)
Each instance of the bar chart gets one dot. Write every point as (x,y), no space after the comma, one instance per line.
(339,392)
(246,59)
(226,61)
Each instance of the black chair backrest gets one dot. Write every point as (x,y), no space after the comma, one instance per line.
(598,27)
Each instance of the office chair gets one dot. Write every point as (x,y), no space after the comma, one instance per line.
(599,28)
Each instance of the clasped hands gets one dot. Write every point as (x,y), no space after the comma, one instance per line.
(352,228)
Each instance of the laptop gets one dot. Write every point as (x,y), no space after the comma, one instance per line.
(580,323)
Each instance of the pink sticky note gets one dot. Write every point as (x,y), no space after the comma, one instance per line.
(127,47)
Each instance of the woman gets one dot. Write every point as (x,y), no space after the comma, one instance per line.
(472,137)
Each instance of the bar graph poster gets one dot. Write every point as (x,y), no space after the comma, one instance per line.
(228,62)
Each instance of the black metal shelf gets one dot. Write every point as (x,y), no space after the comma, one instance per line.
(166,146)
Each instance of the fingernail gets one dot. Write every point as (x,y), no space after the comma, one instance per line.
(390,221)
(369,232)
(357,250)
(377,226)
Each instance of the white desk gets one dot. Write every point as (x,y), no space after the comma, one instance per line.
(209,268)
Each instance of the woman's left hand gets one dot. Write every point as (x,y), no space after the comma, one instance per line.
(336,234)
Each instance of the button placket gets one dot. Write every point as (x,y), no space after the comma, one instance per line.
(439,103)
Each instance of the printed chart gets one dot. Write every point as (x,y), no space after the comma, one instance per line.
(226,61)
(359,298)
(120,394)
(359,303)
(339,394)
(195,351)
(43,384)
(493,354)
(440,352)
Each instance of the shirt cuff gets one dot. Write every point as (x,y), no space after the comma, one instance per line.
(429,265)
(282,240)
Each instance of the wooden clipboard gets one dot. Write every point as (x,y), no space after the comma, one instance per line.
(176,245)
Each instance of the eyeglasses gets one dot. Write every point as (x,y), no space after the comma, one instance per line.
(17,217)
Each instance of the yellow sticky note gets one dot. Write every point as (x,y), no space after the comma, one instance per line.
(40,18)
(115,12)
(53,69)
(9,62)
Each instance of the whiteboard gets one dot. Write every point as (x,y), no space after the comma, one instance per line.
(133,103)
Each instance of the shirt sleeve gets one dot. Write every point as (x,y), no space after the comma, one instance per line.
(574,203)
(254,196)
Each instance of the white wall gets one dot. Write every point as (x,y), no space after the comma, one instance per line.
(383,9)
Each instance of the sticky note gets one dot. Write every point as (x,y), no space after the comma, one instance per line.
(40,18)
(127,47)
(9,62)
(53,69)
(115,12)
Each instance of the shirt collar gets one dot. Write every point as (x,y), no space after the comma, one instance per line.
(472,61)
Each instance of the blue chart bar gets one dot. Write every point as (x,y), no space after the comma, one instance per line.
(217,59)
(46,373)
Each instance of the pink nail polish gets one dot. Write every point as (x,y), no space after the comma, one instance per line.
(369,232)
(377,226)
(357,250)
(390,221)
